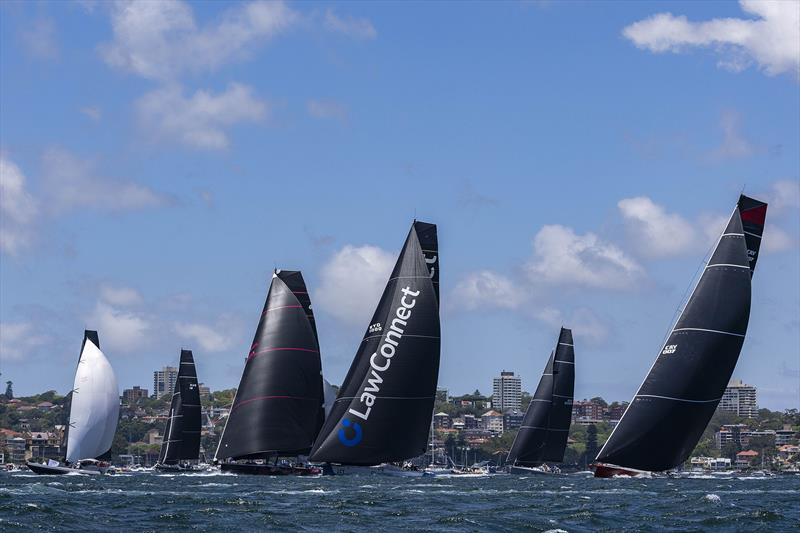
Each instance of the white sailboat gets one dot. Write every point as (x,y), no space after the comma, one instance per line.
(93,415)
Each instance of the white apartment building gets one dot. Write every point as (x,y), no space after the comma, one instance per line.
(507,392)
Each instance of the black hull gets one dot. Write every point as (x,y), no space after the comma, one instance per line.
(269,470)
(178,468)
(44,470)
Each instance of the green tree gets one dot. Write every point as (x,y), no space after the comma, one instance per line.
(591,444)
(9,391)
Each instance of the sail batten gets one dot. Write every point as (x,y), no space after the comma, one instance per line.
(278,408)
(94,411)
(543,434)
(384,407)
(664,421)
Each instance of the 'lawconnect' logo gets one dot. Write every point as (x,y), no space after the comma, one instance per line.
(343,434)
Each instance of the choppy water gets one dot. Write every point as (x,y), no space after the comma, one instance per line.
(229,503)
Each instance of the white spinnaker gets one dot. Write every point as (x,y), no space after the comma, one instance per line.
(95,406)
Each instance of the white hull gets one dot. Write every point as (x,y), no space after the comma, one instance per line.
(383,470)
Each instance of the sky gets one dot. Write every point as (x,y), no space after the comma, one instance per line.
(159,159)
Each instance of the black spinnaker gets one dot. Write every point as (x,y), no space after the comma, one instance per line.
(182,434)
(672,408)
(278,408)
(383,411)
(545,428)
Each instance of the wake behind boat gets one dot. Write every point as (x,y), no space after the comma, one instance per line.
(677,399)
(93,416)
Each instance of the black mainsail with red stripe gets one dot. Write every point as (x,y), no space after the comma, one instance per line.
(545,428)
(182,434)
(278,409)
(672,408)
(384,408)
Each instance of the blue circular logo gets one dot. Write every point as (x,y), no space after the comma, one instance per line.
(356,427)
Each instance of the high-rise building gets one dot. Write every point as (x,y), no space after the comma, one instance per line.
(739,398)
(131,396)
(164,381)
(507,392)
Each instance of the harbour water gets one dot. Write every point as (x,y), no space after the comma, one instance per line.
(229,503)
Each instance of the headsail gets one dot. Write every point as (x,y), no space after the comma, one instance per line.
(94,412)
(384,408)
(545,428)
(182,434)
(278,407)
(672,408)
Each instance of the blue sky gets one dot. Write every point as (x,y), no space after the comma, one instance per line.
(160,159)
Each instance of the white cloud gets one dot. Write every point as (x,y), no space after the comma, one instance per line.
(70,183)
(771,39)
(352,281)
(487,289)
(17,339)
(160,40)
(583,322)
(18,209)
(777,240)
(209,339)
(324,109)
(93,112)
(785,195)
(359,28)
(561,257)
(734,145)
(123,331)
(39,39)
(201,120)
(655,232)
(120,296)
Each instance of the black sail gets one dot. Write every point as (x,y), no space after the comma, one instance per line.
(672,408)
(384,407)
(545,428)
(278,409)
(182,434)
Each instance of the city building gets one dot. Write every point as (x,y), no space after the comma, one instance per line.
(131,396)
(470,422)
(492,421)
(442,421)
(587,411)
(739,435)
(739,398)
(785,436)
(205,391)
(745,458)
(164,381)
(15,446)
(507,392)
(512,419)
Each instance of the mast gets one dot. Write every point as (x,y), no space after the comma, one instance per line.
(94,411)
(545,427)
(182,434)
(278,408)
(664,421)
(384,407)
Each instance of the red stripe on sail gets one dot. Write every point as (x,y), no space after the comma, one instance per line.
(756,215)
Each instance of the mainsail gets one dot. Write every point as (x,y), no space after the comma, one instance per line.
(543,434)
(278,408)
(94,412)
(384,408)
(672,408)
(182,435)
